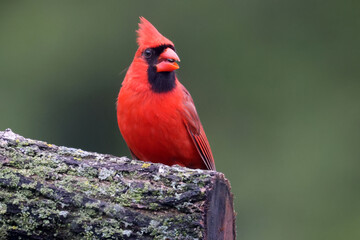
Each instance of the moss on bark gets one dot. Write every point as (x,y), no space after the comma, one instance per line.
(52,192)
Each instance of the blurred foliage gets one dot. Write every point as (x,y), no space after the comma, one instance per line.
(276,84)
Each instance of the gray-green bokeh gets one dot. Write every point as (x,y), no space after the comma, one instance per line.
(276,84)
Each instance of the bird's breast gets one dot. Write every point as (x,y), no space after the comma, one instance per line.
(152,125)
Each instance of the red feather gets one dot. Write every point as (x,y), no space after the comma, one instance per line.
(160,127)
(149,36)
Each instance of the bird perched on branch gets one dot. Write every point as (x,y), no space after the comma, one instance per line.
(156,114)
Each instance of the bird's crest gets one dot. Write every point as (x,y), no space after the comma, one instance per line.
(149,36)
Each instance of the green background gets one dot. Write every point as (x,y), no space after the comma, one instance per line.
(276,84)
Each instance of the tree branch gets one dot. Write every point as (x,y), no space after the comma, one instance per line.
(52,192)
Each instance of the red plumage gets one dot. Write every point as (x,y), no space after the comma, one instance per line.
(156,114)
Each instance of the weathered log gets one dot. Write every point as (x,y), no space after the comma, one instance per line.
(52,192)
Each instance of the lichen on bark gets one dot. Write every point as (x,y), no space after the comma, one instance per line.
(53,192)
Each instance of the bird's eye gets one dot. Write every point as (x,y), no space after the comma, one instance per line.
(148,53)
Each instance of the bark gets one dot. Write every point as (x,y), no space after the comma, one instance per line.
(54,192)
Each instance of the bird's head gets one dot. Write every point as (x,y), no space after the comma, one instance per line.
(155,49)
(155,61)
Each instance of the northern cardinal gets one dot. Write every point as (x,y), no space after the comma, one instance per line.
(156,114)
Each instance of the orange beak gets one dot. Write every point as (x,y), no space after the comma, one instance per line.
(167,61)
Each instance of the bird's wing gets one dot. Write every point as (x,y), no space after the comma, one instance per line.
(196,131)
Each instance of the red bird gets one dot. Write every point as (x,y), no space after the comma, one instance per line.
(156,114)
